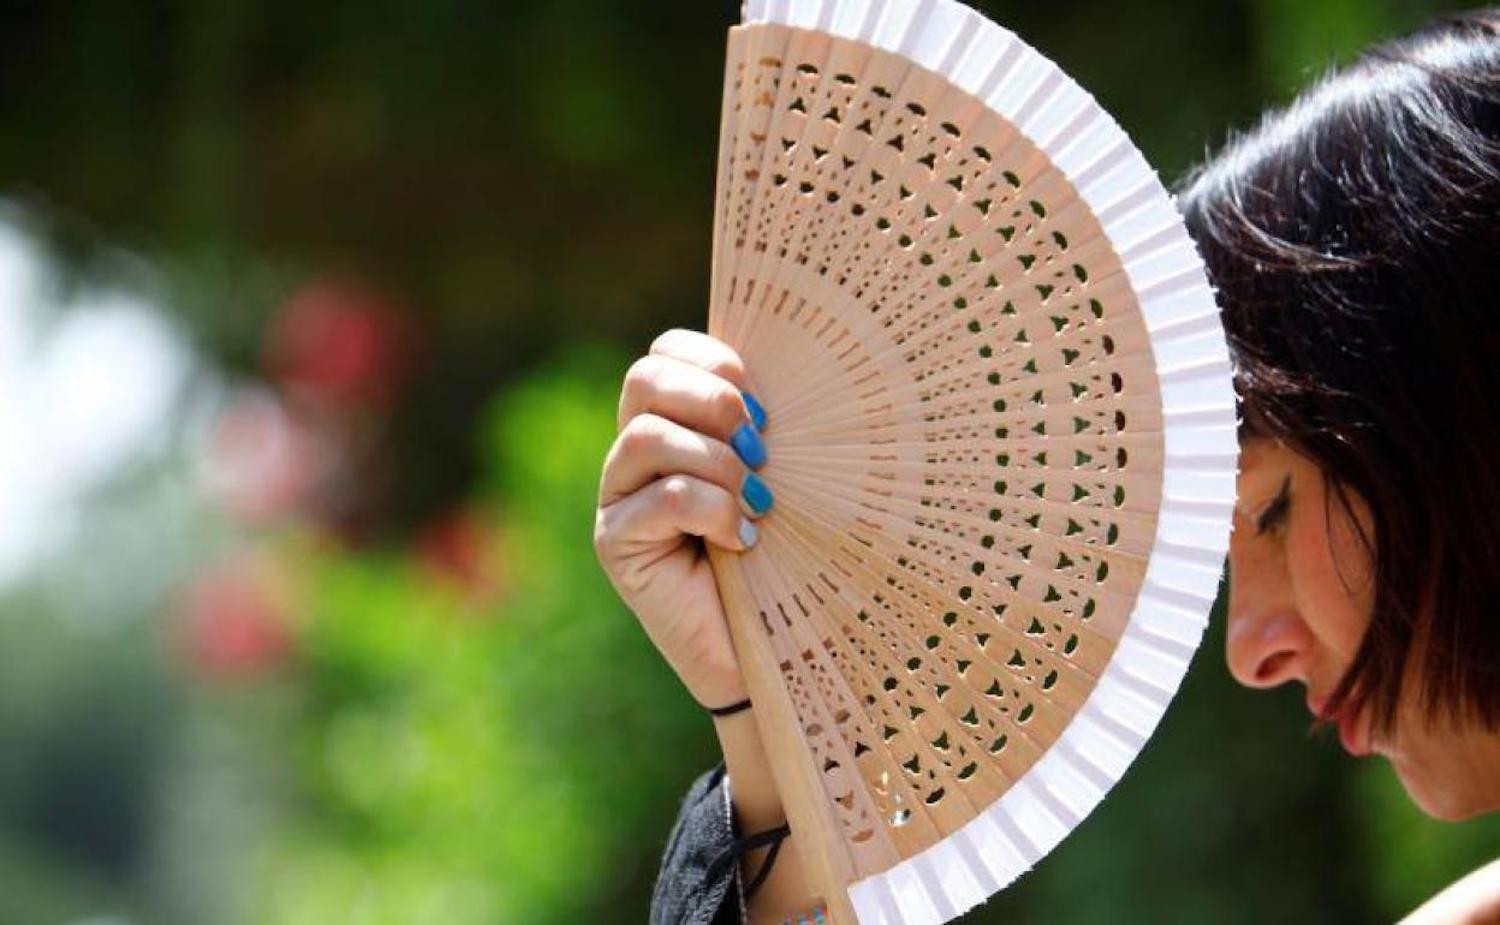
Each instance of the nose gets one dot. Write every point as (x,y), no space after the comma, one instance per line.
(1267,642)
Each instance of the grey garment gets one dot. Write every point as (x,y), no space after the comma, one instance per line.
(699,879)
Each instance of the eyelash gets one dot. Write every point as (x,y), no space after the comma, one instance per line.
(1275,513)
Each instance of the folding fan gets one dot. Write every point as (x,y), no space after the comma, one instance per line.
(1001,440)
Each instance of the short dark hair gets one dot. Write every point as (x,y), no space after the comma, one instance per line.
(1354,239)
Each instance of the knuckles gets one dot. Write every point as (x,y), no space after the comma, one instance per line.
(709,353)
(643,372)
(676,494)
(642,433)
(664,341)
(721,408)
(640,384)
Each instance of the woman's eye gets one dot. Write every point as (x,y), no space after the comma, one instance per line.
(1275,513)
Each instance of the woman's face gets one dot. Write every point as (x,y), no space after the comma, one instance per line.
(1300,600)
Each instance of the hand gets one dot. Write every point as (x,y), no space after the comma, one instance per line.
(680,473)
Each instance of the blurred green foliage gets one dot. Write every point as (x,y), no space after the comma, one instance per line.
(510,764)
(532,182)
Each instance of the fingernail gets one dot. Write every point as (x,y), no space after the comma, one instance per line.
(747,443)
(749,533)
(756,493)
(757,410)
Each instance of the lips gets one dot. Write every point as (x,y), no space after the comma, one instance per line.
(1351,736)
(1352,733)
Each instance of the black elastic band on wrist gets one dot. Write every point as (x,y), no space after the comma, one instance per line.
(732,709)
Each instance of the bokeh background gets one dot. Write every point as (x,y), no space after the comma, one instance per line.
(312,317)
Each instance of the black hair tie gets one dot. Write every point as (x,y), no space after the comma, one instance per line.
(732,709)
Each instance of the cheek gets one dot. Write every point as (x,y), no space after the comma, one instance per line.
(1330,575)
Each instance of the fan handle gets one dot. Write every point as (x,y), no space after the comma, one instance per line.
(818,846)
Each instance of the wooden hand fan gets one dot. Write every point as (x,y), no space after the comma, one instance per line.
(1002,443)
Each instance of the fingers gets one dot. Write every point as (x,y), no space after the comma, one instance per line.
(709,353)
(695,398)
(674,505)
(683,413)
(652,447)
(698,349)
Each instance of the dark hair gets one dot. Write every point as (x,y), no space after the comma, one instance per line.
(1354,239)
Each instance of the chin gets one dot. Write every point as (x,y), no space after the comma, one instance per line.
(1445,803)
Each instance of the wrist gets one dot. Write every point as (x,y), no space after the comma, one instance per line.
(757,803)
(720,693)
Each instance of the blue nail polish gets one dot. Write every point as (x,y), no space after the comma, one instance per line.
(747,443)
(756,493)
(757,410)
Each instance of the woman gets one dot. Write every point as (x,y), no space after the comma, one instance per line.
(1354,239)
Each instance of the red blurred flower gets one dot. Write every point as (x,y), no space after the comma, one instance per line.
(230,624)
(463,549)
(339,341)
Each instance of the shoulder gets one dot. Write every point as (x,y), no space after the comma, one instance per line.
(1474,900)
(697,883)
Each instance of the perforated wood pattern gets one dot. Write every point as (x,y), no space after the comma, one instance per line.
(965,440)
